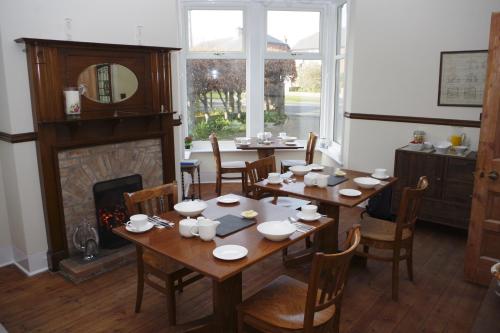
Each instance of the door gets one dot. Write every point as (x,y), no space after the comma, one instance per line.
(483,244)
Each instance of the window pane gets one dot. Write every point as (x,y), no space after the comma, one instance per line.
(341,29)
(292,96)
(216,98)
(339,99)
(215,30)
(292,31)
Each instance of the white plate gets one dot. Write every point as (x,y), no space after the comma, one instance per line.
(147,227)
(382,178)
(230,252)
(349,192)
(228,199)
(190,208)
(316,167)
(275,182)
(304,217)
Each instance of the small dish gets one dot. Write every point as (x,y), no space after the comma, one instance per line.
(230,252)
(274,181)
(349,192)
(380,177)
(266,142)
(340,173)
(366,182)
(249,214)
(300,170)
(308,218)
(290,143)
(316,167)
(228,199)
(460,150)
(147,227)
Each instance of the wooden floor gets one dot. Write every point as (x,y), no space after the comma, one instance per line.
(438,301)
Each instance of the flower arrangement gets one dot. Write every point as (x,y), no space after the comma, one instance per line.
(188,142)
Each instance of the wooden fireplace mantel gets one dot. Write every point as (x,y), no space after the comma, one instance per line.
(54,65)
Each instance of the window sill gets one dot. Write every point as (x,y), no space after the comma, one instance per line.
(334,152)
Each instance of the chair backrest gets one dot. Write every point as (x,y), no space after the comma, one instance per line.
(152,201)
(328,279)
(409,206)
(259,170)
(215,151)
(311,144)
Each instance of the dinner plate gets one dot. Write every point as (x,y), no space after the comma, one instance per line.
(147,227)
(382,178)
(230,252)
(304,217)
(349,192)
(228,199)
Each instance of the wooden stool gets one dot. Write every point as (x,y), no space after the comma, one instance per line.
(190,166)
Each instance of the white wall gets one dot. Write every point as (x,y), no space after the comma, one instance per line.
(111,21)
(396,48)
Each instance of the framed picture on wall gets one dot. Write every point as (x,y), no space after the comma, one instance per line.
(462,75)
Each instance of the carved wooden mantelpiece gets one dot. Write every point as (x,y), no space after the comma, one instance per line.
(54,65)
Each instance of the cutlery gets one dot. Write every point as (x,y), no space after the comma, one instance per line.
(301,227)
(159,221)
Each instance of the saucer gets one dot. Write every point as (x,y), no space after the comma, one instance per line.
(384,177)
(230,252)
(274,182)
(349,192)
(316,167)
(147,227)
(266,142)
(291,143)
(304,217)
(228,199)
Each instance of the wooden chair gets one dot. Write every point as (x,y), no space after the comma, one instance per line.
(311,144)
(289,305)
(151,267)
(257,171)
(226,167)
(385,235)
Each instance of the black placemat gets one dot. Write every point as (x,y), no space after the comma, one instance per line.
(335,180)
(230,224)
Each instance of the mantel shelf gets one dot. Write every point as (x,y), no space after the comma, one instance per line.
(111,115)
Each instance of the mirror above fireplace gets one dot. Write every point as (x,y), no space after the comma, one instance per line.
(107,83)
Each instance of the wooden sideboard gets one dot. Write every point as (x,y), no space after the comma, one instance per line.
(451,181)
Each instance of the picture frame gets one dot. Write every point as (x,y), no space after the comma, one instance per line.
(462,76)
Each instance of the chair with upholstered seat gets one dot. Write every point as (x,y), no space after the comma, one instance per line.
(152,268)
(385,235)
(311,144)
(226,167)
(289,305)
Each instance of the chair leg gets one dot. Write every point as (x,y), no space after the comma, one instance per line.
(409,264)
(244,183)
(140,280)
(364,260)
(284,254)
(169,284)
(395,276)
(218,185)
(241,324)
(179,285)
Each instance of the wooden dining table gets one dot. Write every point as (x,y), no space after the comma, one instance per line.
(329,198)
(267,149)
(226,275)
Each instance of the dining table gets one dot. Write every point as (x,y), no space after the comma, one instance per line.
(329,199)
(226,276)
(266,149)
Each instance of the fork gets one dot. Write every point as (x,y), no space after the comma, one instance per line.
(158,221)
(300,226)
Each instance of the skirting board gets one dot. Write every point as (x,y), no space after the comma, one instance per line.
(30,264)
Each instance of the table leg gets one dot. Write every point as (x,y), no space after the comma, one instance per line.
(182,184)
(191,173)
(263,153)
(226,296)
(329,237)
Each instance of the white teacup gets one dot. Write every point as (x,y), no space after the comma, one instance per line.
(186,226)
(282,135)
(309,210)
(322,180)
(138,221)
(206,229)
(380,173)
(310,179)
(273,177)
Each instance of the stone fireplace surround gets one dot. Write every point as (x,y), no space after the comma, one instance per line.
(81,168)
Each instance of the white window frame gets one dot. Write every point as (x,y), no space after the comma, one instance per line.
(255,53)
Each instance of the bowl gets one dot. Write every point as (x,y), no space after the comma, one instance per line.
(289,138)
(428,145)
(300,170)
(276,230)
(366,182)
(460,149)
(190,208)
(415,146)
(442,147)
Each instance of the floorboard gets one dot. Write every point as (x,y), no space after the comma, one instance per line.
(438,301)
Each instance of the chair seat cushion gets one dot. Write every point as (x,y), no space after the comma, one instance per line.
(380,229)
(159,262)
(282,304)
(290,163)
(233,164)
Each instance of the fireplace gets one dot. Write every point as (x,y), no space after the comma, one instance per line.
(110,207)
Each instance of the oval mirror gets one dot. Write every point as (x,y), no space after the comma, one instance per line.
(107,83)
